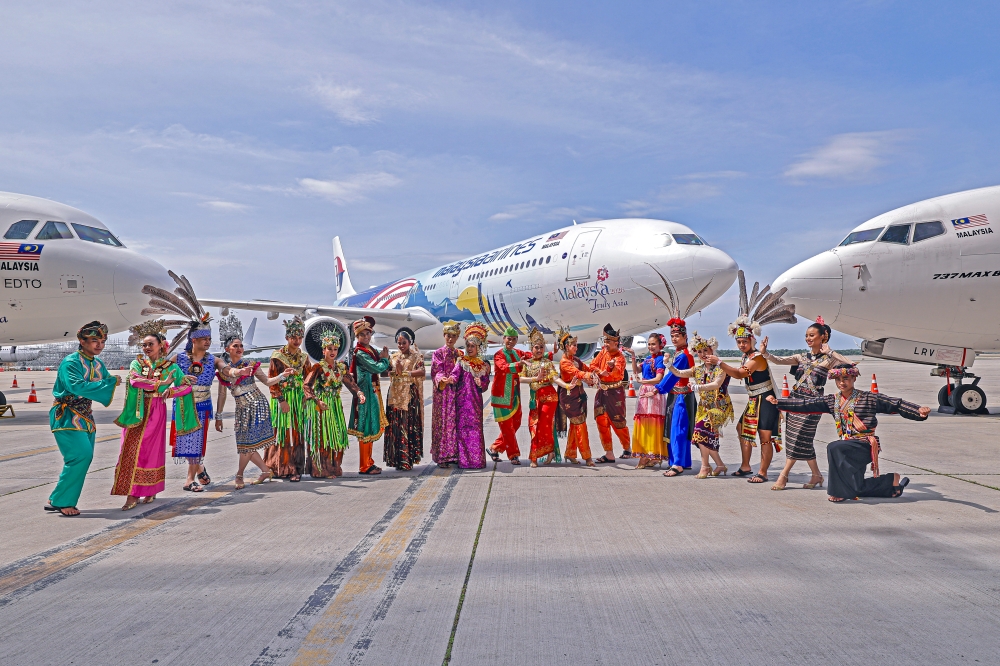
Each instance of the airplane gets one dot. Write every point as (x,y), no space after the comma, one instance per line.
(578,278)
(918,284)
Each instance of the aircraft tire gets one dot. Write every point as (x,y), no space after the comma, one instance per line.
(3,398)
(969,399)
(944,397)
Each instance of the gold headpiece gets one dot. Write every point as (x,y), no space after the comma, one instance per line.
(452,327)
(330,337)
(535,337)
(565,338)
(94,329)
(151,327)
(476,332)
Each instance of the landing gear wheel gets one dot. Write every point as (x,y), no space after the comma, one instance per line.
(3,398)
(944,397)
(969,399)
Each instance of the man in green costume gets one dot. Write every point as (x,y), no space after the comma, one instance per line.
(368,420)
(506,397)
(82,379)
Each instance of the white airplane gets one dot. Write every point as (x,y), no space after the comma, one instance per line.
(578,278)
(918,284)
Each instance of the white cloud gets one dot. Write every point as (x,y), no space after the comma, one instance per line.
(516,212)
(853,156)
(350,189)
(370,265)
(671,196)
(225,206)
(347,103)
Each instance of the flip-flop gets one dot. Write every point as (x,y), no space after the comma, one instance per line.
(515,461)
(204,477)
(604,459)
(758,475)
(903,482)
(493,454)
(372,471)
(60,509)
(676,472)
(193,487)
(742,472)
(626,454)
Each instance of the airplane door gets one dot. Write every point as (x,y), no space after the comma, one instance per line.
(578,267)
(454,288)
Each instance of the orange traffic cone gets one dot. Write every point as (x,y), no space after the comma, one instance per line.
(784,387)
(14,385)
(32,397)
(874,384)
(631,389)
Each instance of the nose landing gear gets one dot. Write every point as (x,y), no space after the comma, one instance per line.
(956,397)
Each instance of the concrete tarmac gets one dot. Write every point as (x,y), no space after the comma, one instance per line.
(561,564)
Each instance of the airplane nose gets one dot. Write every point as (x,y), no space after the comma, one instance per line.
(713,264)
(132,273)
(815,286)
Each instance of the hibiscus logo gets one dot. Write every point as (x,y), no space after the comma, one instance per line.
(602,274)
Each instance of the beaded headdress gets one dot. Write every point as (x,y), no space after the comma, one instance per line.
(770,309)
(535,337)
(452,327)
(94,329)
(294,327)
(183,302)
(477,333)
(151,327)
(230,328)
(677,317)
(699,343)
(844,371)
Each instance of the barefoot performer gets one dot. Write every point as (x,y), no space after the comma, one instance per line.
(81,379)
(760,417)
(854,413)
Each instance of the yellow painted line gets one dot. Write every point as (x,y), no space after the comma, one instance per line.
(58,561)
(46,449)
(326,637)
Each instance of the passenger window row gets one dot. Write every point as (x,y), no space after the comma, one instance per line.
(509,268)
(58,230)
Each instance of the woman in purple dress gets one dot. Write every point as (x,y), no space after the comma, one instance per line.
(460,440)
(444,414)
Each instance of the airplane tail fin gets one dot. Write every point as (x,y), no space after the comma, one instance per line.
(248,337)
(344,286)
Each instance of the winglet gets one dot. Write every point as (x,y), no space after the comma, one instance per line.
(248,336)
(344,286)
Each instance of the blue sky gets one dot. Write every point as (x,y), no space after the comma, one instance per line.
(232,140)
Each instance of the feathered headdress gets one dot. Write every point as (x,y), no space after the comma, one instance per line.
(677,317)
(767,308)
(182,302)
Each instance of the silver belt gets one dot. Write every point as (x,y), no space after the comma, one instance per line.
(680,390)
(753,390)
(201,393)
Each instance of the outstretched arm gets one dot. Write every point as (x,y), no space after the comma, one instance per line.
(908,410)
(810,405)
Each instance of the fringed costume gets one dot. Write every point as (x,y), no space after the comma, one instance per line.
(325,433)
(287,456)
(252,423)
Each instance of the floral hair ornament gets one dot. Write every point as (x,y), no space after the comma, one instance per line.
(770,309)
(181,302)
(699,343)
(844,371)
(94,329)
(294,327)
(677,317)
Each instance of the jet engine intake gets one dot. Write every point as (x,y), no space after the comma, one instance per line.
(316,327)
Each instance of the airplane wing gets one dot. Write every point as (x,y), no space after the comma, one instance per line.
(386,321)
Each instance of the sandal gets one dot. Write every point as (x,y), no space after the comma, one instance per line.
(812,484)
(239,482)
(263,478)
(742,472)
(372,471)
(148,500)
(591,463)
(757,478)
(674,471)
(572,461)
(61,510)
(704,473)
(493,454)
(720,470)
(204,477)
(782,486)
(130,505)
(295,478)
(444,465)
(193,487)
(841,499)
(898,490)
(605,459)
(515,461)
(626,454)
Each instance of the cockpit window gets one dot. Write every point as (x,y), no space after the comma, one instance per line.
(925,230)
(703,241)
(20,230)
(53,231)
(896,233)
(861,236)
(688,239)
(95,235)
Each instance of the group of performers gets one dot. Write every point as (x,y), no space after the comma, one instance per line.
(302,429)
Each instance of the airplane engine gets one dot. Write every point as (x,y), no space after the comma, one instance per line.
(14,355)
(316,327)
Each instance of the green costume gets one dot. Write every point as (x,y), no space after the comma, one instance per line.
(81,379)
(165,371)
(368,421)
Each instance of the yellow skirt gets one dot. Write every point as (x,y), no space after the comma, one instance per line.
(647,427)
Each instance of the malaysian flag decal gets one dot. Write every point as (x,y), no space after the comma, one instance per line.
(963,223)
(20,251)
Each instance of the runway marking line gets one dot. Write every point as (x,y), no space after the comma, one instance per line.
(30,572)
(339,618)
